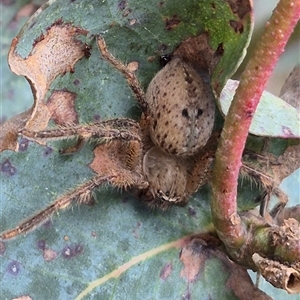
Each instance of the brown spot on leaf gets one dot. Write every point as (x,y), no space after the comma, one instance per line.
(194,255)
(61,105)
(136,230)
(126,12)
(238,27)
(97,117)
(49,254)
(166,271)
(171,23)
(192,260)
(47,224)
(87,51)
(151,58)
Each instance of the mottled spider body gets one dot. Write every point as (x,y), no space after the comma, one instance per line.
(163,159)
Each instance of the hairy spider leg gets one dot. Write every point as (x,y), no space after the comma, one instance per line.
(117,129)
(270,188)
(81,195)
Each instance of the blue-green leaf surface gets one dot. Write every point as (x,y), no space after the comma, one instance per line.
(117,248)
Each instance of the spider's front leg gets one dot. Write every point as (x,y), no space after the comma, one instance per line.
(121,129)
(117,163)
(127,73)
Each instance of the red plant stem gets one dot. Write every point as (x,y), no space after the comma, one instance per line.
(228,223)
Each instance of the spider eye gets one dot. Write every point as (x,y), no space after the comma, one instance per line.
(167,193)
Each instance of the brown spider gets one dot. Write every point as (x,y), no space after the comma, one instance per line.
(163,159)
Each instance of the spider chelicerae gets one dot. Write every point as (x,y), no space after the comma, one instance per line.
(163,159)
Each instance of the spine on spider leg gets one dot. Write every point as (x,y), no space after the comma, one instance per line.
(81,194)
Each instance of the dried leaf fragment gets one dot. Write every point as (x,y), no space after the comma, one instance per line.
(54,53)
(9,131)
(279,275)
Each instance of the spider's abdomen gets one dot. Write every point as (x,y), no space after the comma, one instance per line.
(181,109)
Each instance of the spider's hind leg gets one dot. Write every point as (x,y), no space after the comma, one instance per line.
(81,194)
(116,163)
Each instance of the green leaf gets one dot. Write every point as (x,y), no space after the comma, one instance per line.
(82,250)
(266,121)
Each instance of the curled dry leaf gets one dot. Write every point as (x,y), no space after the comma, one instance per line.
(279,275)
(54,53)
